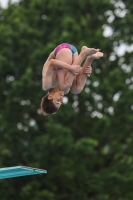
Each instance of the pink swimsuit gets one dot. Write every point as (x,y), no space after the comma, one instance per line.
(65,45)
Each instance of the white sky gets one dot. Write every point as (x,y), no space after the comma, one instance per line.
(4,3)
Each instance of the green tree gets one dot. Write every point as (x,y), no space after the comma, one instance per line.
(87,146)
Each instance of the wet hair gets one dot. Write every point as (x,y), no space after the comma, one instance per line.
(47,105)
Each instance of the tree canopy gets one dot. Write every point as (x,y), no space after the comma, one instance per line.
(87,146)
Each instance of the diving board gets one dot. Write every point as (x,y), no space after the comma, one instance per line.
(16,171)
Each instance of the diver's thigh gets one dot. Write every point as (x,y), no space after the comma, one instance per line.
(64,55)
(61,77)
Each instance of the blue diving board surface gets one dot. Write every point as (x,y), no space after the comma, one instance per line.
(16,171)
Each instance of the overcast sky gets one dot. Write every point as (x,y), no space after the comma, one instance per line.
(4,3)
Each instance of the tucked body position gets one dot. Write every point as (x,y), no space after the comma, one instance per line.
(62,72)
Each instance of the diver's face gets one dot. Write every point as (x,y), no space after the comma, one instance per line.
(57,98)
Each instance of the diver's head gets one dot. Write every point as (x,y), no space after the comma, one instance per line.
(52,101)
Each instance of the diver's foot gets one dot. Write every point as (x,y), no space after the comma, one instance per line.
(85,51)
(97,55)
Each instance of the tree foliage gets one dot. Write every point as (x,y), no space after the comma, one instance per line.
(87,146)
